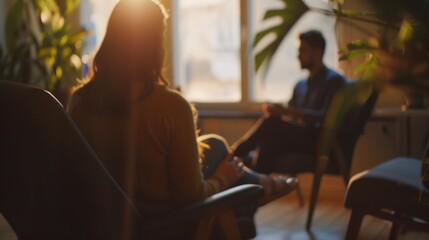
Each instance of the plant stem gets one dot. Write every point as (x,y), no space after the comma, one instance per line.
(360,16)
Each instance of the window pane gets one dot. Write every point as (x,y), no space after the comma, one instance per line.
(208,50)
(285,70)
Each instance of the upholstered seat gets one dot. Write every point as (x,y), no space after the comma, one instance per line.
(392,185)
(393,191)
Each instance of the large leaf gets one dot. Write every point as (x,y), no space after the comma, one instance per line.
(33,18)
(40,43)
(14,21)
(48,5)
(71,6)
(343,102)
(289,14)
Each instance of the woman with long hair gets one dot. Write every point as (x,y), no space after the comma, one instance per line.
(142,130)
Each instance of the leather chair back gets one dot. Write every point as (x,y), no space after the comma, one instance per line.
(52,185)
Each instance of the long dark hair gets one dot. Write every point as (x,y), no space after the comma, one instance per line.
(132,50)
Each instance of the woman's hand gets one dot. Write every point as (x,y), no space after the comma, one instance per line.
(231,169)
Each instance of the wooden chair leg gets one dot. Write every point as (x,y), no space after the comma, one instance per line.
(299,195)
(394,231)
(298,192)
(313,200)
(354,225)
(320,170)
(341,161)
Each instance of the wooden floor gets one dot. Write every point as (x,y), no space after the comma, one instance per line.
(285,219)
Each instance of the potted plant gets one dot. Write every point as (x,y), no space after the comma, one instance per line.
(397,56)
(41,46)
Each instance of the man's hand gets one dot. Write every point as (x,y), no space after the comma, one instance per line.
(273,109)
(287,114)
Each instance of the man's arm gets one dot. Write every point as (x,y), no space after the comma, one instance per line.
(296,114)
(306,116)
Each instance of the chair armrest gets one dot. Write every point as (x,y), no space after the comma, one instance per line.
(218,203)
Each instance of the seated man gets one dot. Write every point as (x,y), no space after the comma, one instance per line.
(294,128)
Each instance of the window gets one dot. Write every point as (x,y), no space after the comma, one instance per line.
(210,45)
(208,56)
(213,54)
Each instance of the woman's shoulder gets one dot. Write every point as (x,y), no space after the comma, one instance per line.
(167,90)
(170,100)
(168,94)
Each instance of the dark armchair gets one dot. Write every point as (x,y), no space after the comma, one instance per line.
(344,124)
(394,191)
(53,186)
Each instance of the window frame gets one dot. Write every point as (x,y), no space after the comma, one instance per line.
(246,104)
(248,81)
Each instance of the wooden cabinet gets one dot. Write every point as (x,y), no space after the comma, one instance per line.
(391,132)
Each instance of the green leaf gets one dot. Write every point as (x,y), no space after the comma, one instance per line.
(67,53)
(359,44)
(32,20)
(343,102)
(350,55)
(356,49)
(78,36)
(406,31)
(71,6)
(368,68)
(59,72)
(47,52)
(14,21)
(57,22)
(361,67)
(50,61)
(64,40)
(48,5)
(53,82)
(289,14)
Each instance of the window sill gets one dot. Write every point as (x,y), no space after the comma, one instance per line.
(228,114)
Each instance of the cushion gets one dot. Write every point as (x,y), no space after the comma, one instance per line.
(394,185)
